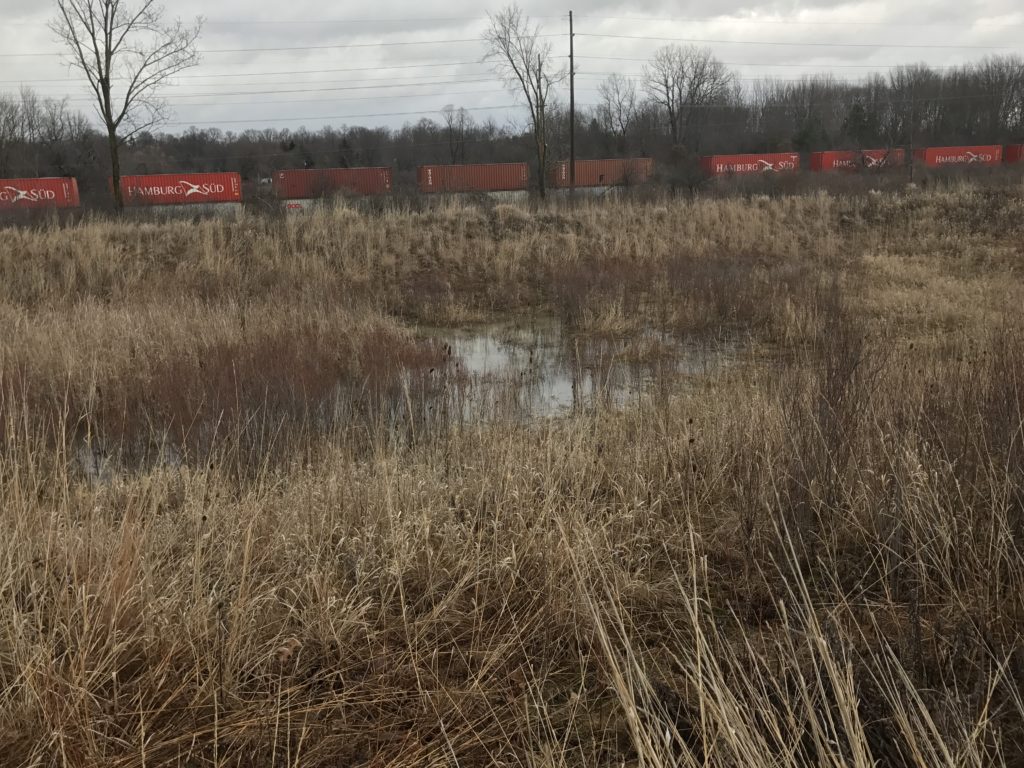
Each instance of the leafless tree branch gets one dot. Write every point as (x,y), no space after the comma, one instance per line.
(114,42)
(525,63)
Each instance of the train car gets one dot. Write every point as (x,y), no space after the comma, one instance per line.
(479,177)
(728,165)
(990,155)
(309,184)
(857,159)
(181,189)
(604,173)
(35,194)
(1014,153)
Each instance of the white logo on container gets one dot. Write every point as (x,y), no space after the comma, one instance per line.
(9,194)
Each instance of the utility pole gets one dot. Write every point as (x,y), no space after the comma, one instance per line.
(542,149)
(572,112)
(913,120)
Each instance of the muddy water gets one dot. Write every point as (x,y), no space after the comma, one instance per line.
(536,368)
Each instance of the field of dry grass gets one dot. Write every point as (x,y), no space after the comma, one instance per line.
(247,520)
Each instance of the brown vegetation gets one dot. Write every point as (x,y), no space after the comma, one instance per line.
(296,556)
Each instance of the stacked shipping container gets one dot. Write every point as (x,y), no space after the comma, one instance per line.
(321,182)
(604,173)
(182,189)
(857,159)
(937,157)
(725,165)
(481,177)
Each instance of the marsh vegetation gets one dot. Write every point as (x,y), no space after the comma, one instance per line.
(297,492)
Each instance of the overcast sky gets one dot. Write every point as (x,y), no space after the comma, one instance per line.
(390,62)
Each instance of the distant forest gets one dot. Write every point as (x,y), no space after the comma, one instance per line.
(686,104)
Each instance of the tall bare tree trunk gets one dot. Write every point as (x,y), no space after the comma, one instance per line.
(542,152)
(115,167)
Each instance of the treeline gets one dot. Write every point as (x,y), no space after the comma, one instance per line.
(685,104)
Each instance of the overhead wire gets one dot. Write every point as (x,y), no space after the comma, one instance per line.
(272,49)
(280,73)
(786,22)
(403,96)
(323,90)
(330,117)
(813,44)
(784,64)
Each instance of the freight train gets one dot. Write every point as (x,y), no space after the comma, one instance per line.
(297,188)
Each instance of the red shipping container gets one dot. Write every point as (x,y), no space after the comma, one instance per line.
(724,165)
(482,177)
(857,159)
(27,194)
(320,182)
(937,157)
(1014,153)
(604,173)
(182,188)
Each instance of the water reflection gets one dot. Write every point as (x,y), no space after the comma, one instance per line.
(535,368)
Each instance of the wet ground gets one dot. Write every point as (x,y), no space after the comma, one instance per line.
(522,369)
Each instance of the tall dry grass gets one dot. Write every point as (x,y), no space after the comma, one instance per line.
(812,557)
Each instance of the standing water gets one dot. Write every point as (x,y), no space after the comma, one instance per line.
(539,369)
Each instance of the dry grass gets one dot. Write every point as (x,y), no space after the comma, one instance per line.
(815,557)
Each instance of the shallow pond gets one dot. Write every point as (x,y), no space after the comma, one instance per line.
(535,368)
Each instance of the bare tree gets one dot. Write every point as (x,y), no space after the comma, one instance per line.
(9,112)
(525,63)
(1001,80)
(685,82)
(31,126)
(915,92)
(30,112)
(457,123)
(127,52)
(618,106)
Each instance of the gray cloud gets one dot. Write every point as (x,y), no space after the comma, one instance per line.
(382,80)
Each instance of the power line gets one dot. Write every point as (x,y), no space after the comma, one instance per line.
(376,84)
(271,74)
(801,44)
(405,96)
(343,69)
(319,90)
(787,22)
(785,64)
(407,79)
(321,22)
(353,45)
(304,47)
(332,117)
(282,73)
(795,80)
